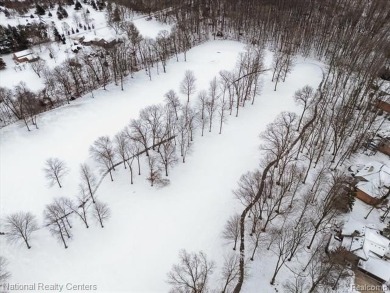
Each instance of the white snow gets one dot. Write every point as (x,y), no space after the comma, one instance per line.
(149,226)
(150,28)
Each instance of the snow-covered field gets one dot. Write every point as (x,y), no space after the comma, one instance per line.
(149,226)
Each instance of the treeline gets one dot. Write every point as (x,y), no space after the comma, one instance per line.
(324,29)
(23,7)
(21,37)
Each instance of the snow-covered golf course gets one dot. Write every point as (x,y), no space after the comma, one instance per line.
(148,226)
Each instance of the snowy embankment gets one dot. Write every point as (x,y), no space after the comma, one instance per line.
(148,226)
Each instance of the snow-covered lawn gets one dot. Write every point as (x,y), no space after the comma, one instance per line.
(12,76)
(149,28)
(149,226)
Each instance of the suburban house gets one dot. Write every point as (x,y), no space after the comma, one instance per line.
(25,56)
(384,105)
(372,183)
(384,146)
(107,42)
(372,250)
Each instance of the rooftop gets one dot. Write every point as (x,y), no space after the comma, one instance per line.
(375,179)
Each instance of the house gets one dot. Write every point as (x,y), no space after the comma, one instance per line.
(25,56)
(371,249)
(373,183)
(384,105)
(384,146)
(106,43)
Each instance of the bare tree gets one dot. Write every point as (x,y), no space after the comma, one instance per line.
(303,97)
(167,155)
(255,238)
(222,109)
(154,170)
(20,226)
(152,118)
(4,274)
(187,86)
(338,199)
(61,204)
(191,274)
(298,284)
(201,107)
(21,102)
(173,102)
(139,131)
(80,207)
(230,272)
(232,230)
(55,170)
(38,66)
(55,223)
(127,150)
(103,152)
(212,101)
(101,212)
(281,248)
(298,236)
(88,180)
(121,146)
(325,270)
(135,147)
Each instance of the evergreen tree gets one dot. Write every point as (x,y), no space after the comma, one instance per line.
(39,10)
(116,16)
(77,6)
(57,36)
(2,64)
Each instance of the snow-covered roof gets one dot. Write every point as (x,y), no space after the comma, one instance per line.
(367,243)
(77,37)
(376,177)
(23,53)
(353,225)
(378,267)
(31,57)
(374,169)
(375,243)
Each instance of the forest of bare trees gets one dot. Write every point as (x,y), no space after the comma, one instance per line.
(282,211)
